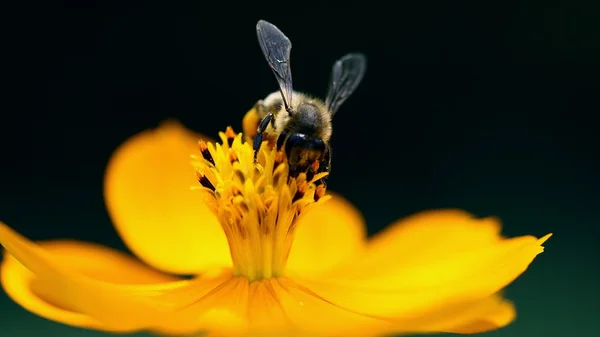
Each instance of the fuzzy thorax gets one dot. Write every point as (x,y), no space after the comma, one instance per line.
(257,205)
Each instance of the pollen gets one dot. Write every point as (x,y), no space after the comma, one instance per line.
(257,204)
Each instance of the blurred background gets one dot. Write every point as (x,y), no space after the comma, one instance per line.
(485,108)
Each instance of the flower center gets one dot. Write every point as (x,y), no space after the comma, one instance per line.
(258,205)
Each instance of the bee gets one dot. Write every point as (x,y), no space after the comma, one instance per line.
(296,123)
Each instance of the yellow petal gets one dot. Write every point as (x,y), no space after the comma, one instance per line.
(86,285)
(17,282)
(438,247)
(147,192)
(428,261)
(488,314)
(313,314)
(466,317)
(221,308)
(326,236)
(282,307)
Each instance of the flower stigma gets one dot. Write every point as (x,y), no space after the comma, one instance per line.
(257,204)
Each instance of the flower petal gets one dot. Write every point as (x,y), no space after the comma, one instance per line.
(468,317)
(326,236)
(488,314)
(308,312)
(428,261)
(147,192)
(89,286)
(315,315)
(17,282)
(221,308)
(435,248)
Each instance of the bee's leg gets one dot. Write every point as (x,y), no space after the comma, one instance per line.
(281,139)
(259,135)
(261,109)
(324,166)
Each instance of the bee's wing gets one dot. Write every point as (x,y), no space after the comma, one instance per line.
(277,47)
(346,75)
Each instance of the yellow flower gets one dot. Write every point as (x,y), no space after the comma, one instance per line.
(272,256)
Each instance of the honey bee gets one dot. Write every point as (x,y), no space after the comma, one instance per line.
(296,123)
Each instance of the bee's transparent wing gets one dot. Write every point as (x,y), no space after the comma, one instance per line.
(277,47)
(346,75)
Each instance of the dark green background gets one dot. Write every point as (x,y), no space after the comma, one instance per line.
(490,109)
